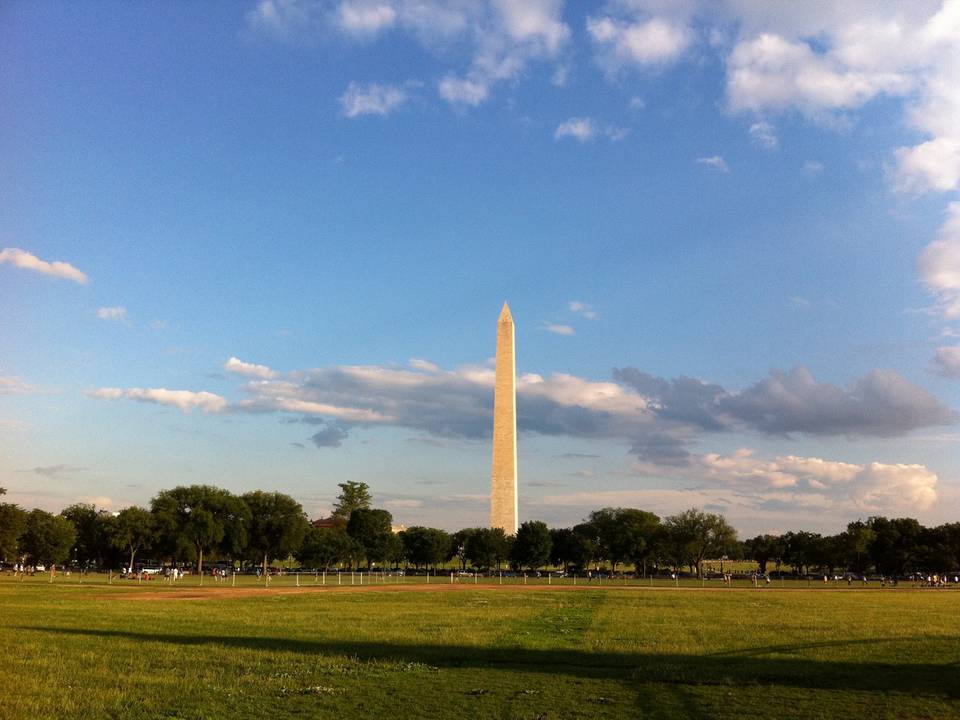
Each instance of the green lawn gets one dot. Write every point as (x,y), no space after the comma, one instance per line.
(86,651)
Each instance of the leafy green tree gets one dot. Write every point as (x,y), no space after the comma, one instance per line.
(92,546)
(353,496)
(802,550)
(324,548)
(13,522)
(693,535)
(47,538)
(371,527)
(572,547)
(488,547)
(201,519)
(895,544)
(425,546)
(458,546)
(133,529)
(856,542)
(277,526)
(761,549)
(532,547)
(624,534)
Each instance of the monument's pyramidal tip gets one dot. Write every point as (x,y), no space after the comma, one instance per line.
(505,315)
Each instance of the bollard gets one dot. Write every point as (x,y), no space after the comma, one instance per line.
(501,578)
(451,578)
(549,579)
(233,579)
(298,579)
(524,578)
(324,577)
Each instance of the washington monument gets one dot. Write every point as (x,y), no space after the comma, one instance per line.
(503,496)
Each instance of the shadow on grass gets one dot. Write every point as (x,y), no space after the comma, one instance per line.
(736,668)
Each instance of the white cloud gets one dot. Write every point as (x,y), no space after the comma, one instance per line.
(16,386)
(372,99)
(425,365)
(772,72)
(239,367)
(714,161)
(183,400)
(765,135)
(585,129)
(365,18)
(559,329)
(582,129)
(810,482)
(28,261)
(812,167)
(582,309)
(939,264)
(117,313)
(641,42)
(461,91)
(499,39)
(947,361)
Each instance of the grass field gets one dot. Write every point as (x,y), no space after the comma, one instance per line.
(93,650)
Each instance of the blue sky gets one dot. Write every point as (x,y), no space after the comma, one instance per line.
(729,234)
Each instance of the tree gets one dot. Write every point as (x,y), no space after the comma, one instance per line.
(532,546)
(624,534)
(323,548)
(353,496)
(803,549)
(488,547)
(277,526)
(761,549)
(458,545)
(572,547)
(47,538)
(13,521)
(201,519)
(425,546)
(856,542)
(371,527)
(693,535)
(895,544)
(92,546)
(133,529)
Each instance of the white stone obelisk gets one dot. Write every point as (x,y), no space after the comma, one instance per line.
(503,495)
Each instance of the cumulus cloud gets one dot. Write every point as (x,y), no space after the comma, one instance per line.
(812,167)
(636,40)
(585,129)
(425,365)
(16,386)
(372,99)
(939,264)
(183,400)
(28,261)
(365,18)
(810,483)
(328,436)
(714,161)
(764,135)
(582,129)
(947,361)
(582,309)
(239,367)
(489,42)
(659,419)
(117,313)
(559,329)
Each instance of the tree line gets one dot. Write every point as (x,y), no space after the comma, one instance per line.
(200,523)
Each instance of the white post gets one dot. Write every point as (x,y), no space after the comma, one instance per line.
(500,573)
(324,577)
(298,579)
(524,578)
(549,579)
(233,579)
